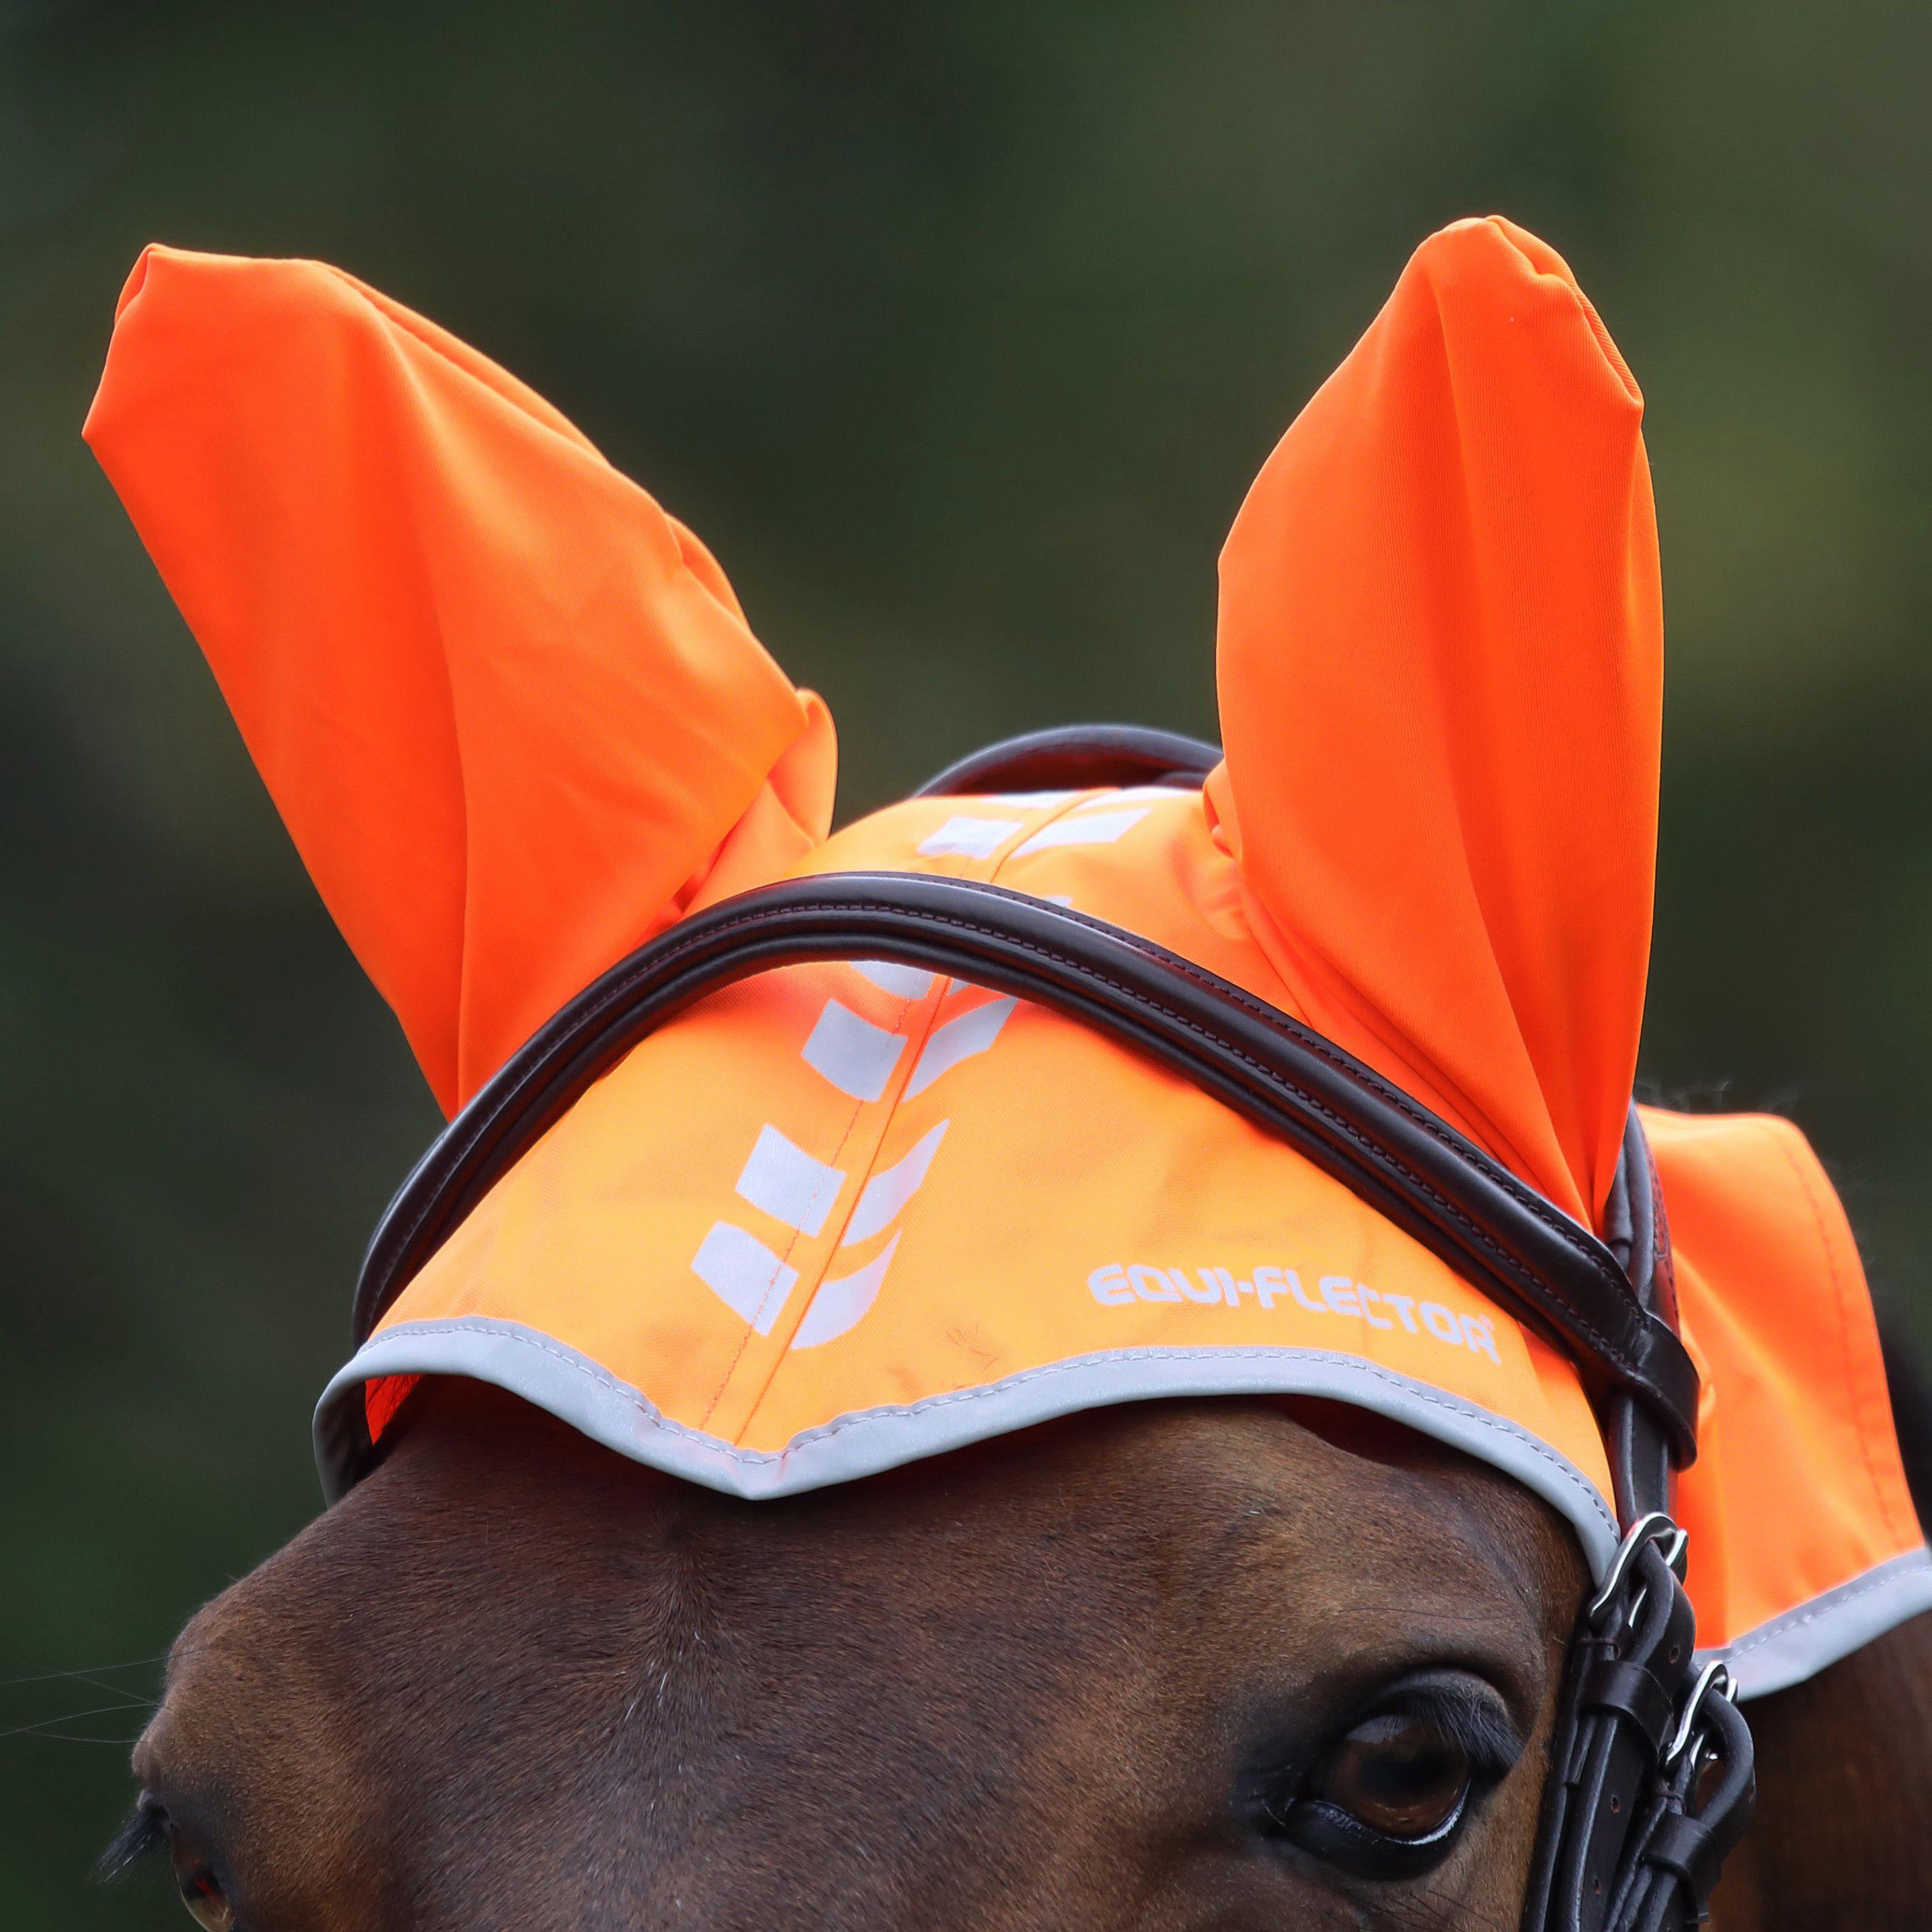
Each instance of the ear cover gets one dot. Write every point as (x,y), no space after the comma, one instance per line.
(1441,670)
(509,709)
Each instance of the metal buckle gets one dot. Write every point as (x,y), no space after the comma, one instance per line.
(1714,1677)
(1653,1527)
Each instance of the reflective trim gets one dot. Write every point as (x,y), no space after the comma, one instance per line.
(955,1040)
(970,838)
(841,1302)
(903,982)
(856,1056)
(886,1193)
(744,1274)
(580,1392)
(1810,1638)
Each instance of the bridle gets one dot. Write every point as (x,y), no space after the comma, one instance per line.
(1650,1784)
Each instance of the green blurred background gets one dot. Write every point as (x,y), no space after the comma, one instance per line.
(958,331)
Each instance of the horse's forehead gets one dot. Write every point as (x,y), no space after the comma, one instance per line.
(496,1519)
(507,1632)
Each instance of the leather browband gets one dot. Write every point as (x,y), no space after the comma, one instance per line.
(1405,1161)
(1072,756)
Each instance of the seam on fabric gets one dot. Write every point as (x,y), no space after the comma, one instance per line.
(1053,814)
(890,1103)
(901,1073)
(494,1328)
(798,1235)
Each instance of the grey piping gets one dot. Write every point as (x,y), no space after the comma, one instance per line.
(582,1392)
(1803,1641)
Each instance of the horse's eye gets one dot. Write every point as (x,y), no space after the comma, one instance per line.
(1396,1773)
(201,1891)
(1388,1798)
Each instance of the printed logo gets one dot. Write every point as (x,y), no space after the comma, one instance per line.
(797,1189)
(1120,1286)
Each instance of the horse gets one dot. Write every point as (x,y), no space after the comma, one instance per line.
(1058,1679)
(1239,1633)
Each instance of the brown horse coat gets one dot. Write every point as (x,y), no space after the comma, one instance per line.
(515,1681)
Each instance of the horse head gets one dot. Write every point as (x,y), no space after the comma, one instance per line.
(1103,1347)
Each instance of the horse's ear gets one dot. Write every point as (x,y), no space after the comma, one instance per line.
(509,709)
(1441,683)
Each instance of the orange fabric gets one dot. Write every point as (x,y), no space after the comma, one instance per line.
(1797,1486)
(1440,671)
(508,709)
(844,1215)
(716,1256)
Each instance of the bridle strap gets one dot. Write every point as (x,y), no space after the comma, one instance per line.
(1073,758)
(1637,1233)
(1651,1782)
